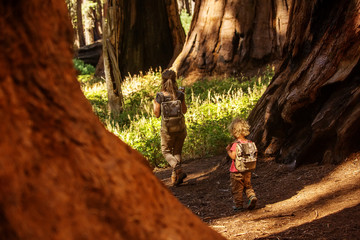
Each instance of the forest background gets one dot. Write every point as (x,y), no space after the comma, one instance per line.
(212,102)
(238,50)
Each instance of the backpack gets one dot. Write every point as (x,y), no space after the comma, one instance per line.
(172,118)
(246,154)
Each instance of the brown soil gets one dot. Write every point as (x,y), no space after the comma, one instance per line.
(309,202)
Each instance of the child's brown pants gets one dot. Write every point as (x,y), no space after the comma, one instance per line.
(241,182)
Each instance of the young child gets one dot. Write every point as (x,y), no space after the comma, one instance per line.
(240,181)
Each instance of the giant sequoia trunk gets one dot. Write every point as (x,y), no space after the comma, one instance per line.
(311,111)
(148,33)
(230,36)
(63,176)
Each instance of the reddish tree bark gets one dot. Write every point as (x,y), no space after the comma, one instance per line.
(62,175)
(311,111)
(230,36)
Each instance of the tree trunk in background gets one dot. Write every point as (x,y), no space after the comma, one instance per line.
(110,59)
(80,27)
(186,5)
(147,35)
(176,29)
(100,68)
(230,36)
(72,11)
(90,54)
(89,21)
(311,111)
(63,176)
(97,12)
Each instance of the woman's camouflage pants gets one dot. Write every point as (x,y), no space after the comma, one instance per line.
(171,147)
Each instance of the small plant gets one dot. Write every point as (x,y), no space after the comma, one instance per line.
(82,68)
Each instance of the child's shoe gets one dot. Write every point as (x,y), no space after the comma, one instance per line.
(238,209)
(252,202)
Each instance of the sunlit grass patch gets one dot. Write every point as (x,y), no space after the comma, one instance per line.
(185,21)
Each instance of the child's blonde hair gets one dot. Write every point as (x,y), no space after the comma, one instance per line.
(239,127)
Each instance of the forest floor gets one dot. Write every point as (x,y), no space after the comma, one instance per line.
(309,202)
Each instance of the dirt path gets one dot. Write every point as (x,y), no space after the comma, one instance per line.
(310,202)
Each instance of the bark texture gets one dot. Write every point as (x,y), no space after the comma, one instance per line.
(148,35)
(62,175)
(229,36)
(111,58)
(311,111)
(186,5)
(79,22)
(89,21)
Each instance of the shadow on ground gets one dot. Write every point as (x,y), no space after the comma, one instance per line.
(329,228)
(206,191)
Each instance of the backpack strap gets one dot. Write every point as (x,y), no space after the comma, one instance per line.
(162,97)
(242,147)
(238,143)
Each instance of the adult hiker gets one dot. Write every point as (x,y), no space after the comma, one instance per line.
(170,105)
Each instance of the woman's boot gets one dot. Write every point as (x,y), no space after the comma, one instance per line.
(179,177)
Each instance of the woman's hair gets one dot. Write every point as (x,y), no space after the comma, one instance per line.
(239,127)
(169,83)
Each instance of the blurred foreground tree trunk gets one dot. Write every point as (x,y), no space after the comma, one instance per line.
(227,37)
(311,110)
(62,174)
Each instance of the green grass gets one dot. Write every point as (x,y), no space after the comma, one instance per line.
(185,20)
(212,104)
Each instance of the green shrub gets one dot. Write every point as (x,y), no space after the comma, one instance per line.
(82,68)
